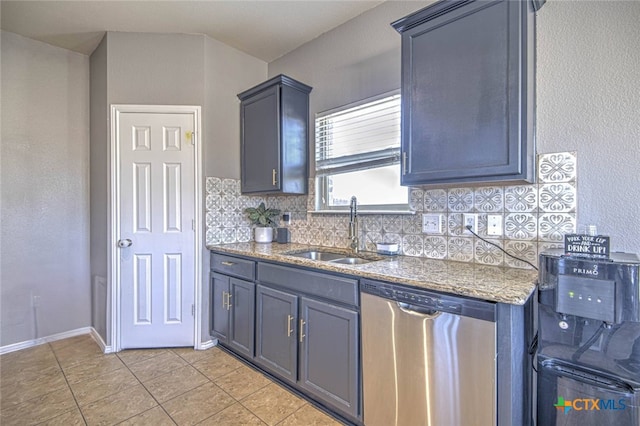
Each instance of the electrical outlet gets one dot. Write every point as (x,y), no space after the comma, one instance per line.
(470,219)
(494,224)
(286,218)
(432,223)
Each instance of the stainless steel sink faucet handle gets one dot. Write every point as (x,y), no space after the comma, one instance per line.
(353,224)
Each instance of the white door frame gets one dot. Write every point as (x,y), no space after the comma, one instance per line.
(114,220)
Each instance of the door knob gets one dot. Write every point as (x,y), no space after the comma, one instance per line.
(124,243)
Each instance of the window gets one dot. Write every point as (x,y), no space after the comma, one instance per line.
(358,153)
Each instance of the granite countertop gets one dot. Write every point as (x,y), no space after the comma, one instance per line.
(493,283)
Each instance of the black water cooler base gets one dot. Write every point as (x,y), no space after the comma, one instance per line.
(589,403)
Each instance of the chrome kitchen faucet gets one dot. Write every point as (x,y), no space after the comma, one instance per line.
(353,224)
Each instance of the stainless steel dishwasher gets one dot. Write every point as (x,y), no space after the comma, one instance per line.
(428,358)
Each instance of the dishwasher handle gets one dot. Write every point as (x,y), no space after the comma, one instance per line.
(421,310)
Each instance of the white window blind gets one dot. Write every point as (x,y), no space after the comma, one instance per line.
(358,137)
(358,154)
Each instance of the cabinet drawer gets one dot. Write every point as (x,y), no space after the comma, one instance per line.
(340,289)
(234,266)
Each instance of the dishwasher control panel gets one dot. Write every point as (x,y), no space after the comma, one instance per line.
(430,300)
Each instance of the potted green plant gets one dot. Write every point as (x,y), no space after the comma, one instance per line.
(264,219)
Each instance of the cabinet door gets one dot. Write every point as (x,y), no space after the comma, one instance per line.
(276,337)
(467,95)
(219,308)
(260,141)
(242,316)
(329,366)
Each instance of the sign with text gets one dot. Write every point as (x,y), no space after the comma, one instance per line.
(586,245)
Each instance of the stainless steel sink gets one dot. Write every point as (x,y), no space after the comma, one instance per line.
(352,260)
(331,256)
(318,255)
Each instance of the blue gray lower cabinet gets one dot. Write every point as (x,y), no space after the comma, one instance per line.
(233,312)
(233,302)
(311,343)
(276,332)
(219,312)
(305,325)
(329,355)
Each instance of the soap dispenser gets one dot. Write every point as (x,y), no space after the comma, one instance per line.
(283,234)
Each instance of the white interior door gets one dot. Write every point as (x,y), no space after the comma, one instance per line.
(156,229)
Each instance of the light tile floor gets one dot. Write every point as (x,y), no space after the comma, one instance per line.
(71,382)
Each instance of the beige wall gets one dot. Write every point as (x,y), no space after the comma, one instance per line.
(99,185)
(228,72)
(589,102)
(44,220)
(588,93)
(99,159)
(155,69)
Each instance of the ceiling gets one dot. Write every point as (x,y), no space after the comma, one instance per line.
(264,29)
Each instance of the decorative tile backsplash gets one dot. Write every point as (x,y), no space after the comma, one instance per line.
(535,217)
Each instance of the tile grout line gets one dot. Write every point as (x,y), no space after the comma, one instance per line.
(271,381)
(55,355)
(108,373)
(292,414)
(139,382)
(147,390)
(156,400)
(136,362)
(254,369)
(217,412)
(190,390)
(261,419)
(238,401)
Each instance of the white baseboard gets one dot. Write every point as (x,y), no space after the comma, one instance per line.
(207,345)
(42,340)
(107,349)
(96,336)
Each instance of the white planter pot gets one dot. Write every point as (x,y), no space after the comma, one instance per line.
(263,234)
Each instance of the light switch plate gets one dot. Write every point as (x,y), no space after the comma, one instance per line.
(432,223)
(494,224)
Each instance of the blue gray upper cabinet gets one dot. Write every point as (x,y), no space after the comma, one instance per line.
(468,92)
(274,131)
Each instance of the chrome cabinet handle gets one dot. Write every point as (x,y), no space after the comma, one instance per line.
(273,177)
(225,263)
(404,163)
(289,329)
(226,304)
(124,243)
(302,335)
